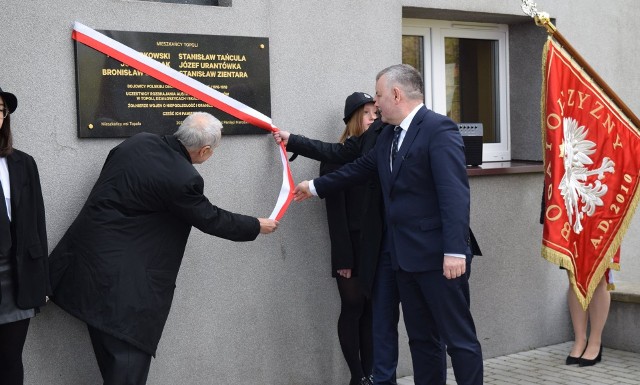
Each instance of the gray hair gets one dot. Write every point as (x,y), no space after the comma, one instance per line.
(198,130)
(405,77)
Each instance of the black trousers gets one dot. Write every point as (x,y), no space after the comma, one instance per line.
(442,304)
(120,363)
(12,338)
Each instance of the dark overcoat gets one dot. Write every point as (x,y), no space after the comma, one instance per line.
(366,213)
(344,220)
(116,266)
(28,233)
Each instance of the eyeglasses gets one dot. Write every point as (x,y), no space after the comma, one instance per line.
(4,112)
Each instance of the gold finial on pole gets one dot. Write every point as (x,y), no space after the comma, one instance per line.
(542,19)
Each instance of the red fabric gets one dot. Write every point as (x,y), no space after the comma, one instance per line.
(591,173)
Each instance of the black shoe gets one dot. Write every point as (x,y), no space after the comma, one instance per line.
(571,360)
(586,362)
(362,381)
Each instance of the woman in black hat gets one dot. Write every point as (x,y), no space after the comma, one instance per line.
(355,229)
(24,272)
(344,212)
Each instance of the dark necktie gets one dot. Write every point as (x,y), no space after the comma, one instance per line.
(394,144)
(5,226)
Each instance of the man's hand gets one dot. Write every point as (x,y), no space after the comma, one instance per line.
(302,191)
(281,136)
(346,273)
(268,226)
(454,267)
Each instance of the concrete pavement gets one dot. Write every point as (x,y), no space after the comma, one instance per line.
(546,366)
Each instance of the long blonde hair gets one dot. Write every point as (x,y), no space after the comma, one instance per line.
(354,126)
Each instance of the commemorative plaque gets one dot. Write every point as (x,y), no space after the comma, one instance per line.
(115,100)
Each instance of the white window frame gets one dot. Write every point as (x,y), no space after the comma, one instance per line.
(433,33)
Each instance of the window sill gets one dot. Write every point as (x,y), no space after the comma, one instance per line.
(503,168)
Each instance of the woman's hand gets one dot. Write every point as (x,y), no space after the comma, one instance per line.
(346,273)
(281,136)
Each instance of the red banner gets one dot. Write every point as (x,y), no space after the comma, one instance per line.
(592,163)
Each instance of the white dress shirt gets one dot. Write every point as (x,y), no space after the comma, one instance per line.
(6,184)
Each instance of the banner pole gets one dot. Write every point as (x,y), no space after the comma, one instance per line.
(543,20)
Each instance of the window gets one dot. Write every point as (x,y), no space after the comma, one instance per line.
(464,66)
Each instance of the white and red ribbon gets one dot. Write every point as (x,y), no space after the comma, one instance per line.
(190,86)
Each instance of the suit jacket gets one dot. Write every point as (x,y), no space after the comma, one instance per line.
(369,210)
(28,233)
(426,196)
(116,266)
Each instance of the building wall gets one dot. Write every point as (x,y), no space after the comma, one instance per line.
(266,311)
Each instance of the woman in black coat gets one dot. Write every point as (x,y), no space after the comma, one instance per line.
(24,277)
(344,212)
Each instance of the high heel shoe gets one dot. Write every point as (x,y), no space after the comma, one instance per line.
(571,360)
(587,362)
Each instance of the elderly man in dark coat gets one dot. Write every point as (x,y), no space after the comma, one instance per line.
(116,266)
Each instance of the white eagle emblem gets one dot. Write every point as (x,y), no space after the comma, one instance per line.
(581,197)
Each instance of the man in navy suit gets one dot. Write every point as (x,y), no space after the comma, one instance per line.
(419,159)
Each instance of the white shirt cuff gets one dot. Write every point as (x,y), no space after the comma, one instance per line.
(312,188)
(456,255)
